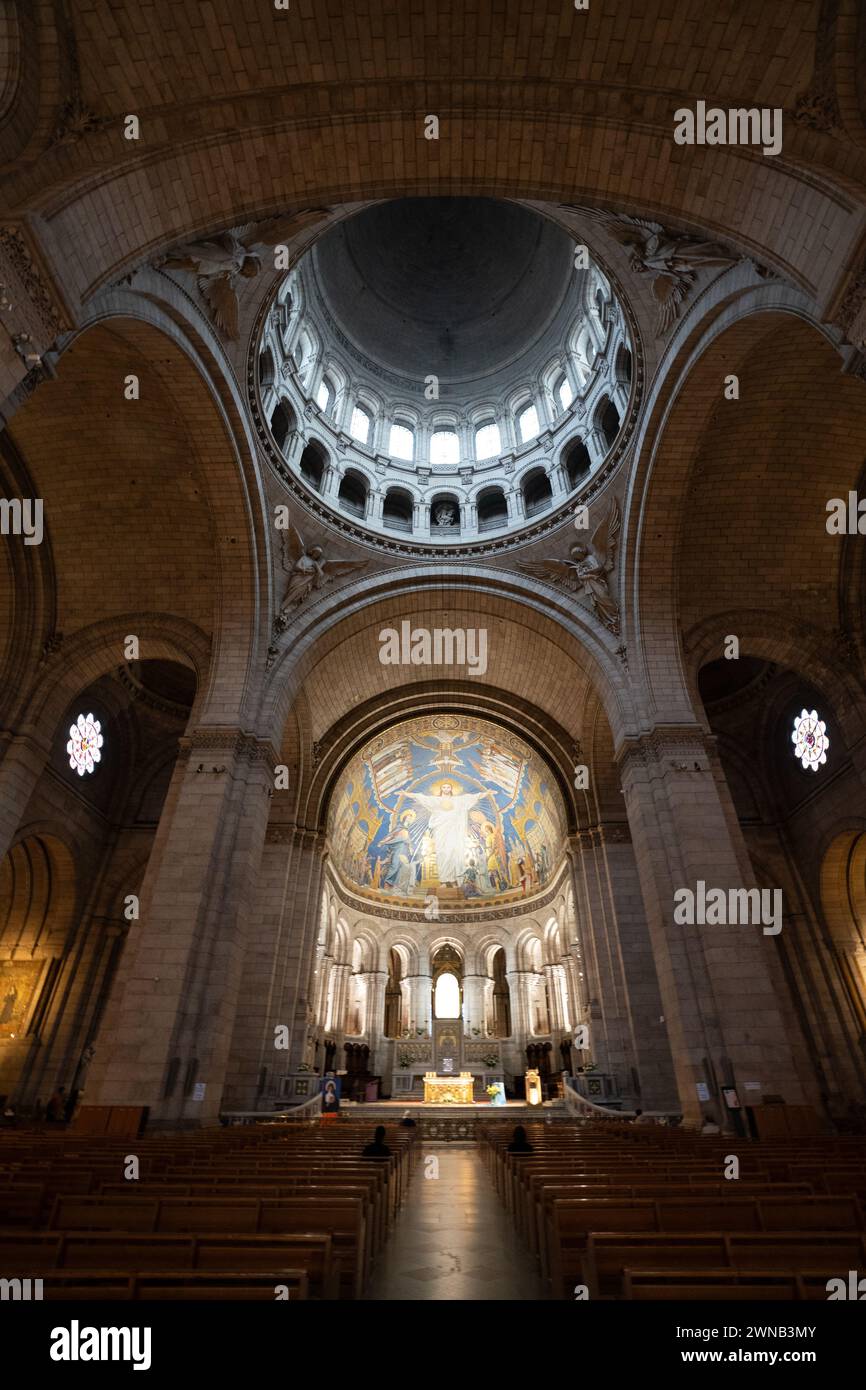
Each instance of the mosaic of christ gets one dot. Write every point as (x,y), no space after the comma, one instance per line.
(447,802)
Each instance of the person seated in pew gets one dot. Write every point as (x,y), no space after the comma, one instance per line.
(378,1148)
(519,1142)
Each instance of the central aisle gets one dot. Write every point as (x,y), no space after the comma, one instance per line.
(453,1239)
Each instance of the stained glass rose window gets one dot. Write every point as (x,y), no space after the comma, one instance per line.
(85,741)
(810,739)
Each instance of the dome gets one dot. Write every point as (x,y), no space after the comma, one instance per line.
(440,371)
(446,806)
(458,287)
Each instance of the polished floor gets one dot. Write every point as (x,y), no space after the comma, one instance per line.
(453,1239)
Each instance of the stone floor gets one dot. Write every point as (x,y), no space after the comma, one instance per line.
(453,1239)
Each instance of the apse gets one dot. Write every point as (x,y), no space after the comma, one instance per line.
(446,809)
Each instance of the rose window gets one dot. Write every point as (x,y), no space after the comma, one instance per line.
(810,739)
(85,741)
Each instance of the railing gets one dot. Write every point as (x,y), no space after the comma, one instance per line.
(576,1104)
(541,505)
(308,1110)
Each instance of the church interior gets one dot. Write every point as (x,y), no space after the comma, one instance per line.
(433,649)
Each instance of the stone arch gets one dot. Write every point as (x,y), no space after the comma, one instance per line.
(843,900)
(676,430)
(211,475)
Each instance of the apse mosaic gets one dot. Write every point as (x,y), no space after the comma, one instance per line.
(447,807)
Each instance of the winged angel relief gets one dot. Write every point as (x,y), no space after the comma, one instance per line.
(307,570)
(221,262)
(588,570)
(672,259)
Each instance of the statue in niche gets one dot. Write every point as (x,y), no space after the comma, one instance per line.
(588,569)
(221,262)
(444,514)
(307,570)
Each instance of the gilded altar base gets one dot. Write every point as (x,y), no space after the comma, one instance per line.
(448,1090)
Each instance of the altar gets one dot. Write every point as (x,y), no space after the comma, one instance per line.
(448,1090)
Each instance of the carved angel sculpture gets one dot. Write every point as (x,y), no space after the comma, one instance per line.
(672,258)
(219,262)
(307,570)
(588,569)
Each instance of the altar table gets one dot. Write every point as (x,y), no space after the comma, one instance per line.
(448,1090)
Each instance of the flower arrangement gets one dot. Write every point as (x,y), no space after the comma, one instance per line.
(491,1060)
(404,1061)
(492,1091)
(304,1066)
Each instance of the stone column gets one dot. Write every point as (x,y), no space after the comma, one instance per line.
(377,983)
(342,982)
(521,1021)
(24,756)
(605,986)
(420,1007)
(554,1008)
(280,988)
(473,1003)
(169,1021)
(723,1019)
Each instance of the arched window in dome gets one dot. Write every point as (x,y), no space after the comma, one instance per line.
(577,462)
(401,442)
(492,509)
(312,466)
(353,493)
(325,395)
(446,997)
(488,442)
(444,447)
(622,366)
(305,359)
(267,370)
(607,420)
(584,355)
(563,392)
(527,422)
(360,424)
(398,509)
(282,422)
(537,491)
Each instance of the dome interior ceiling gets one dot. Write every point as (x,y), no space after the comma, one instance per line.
(459,287)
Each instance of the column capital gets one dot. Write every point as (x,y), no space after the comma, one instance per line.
(230,741)
(674,747)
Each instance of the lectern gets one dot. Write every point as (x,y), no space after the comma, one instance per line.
(533,1087)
